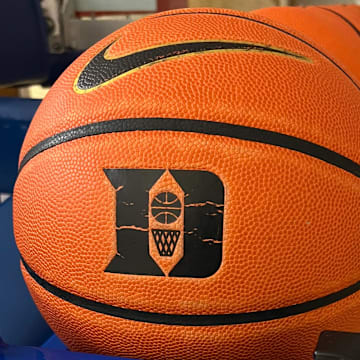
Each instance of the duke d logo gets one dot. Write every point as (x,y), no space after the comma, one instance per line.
(168,222)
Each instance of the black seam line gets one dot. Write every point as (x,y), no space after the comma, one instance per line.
(343,18)
(194,320)
(196,126)
(273,27)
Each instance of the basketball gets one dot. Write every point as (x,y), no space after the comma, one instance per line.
(189,187)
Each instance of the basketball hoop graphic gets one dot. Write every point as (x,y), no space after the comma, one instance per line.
(166,222)
(165,241)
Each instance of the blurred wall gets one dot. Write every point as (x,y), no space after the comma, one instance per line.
(248,5)
(244,5)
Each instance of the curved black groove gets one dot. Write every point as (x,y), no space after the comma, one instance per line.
(193,320)
(100,70)
(270,26)
(201,127)
(343,18)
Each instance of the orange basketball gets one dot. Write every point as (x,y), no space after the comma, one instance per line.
(189,189)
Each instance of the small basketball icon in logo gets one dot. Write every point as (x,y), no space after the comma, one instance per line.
(166,208)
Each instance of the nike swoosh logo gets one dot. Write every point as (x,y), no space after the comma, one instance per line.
(100,70)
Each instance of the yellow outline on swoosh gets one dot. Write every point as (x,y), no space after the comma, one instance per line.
(286,54)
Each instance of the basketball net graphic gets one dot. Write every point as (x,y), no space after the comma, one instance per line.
(166,222)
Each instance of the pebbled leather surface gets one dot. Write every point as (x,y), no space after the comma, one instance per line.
(284,339)
(318,23)
(281,226)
